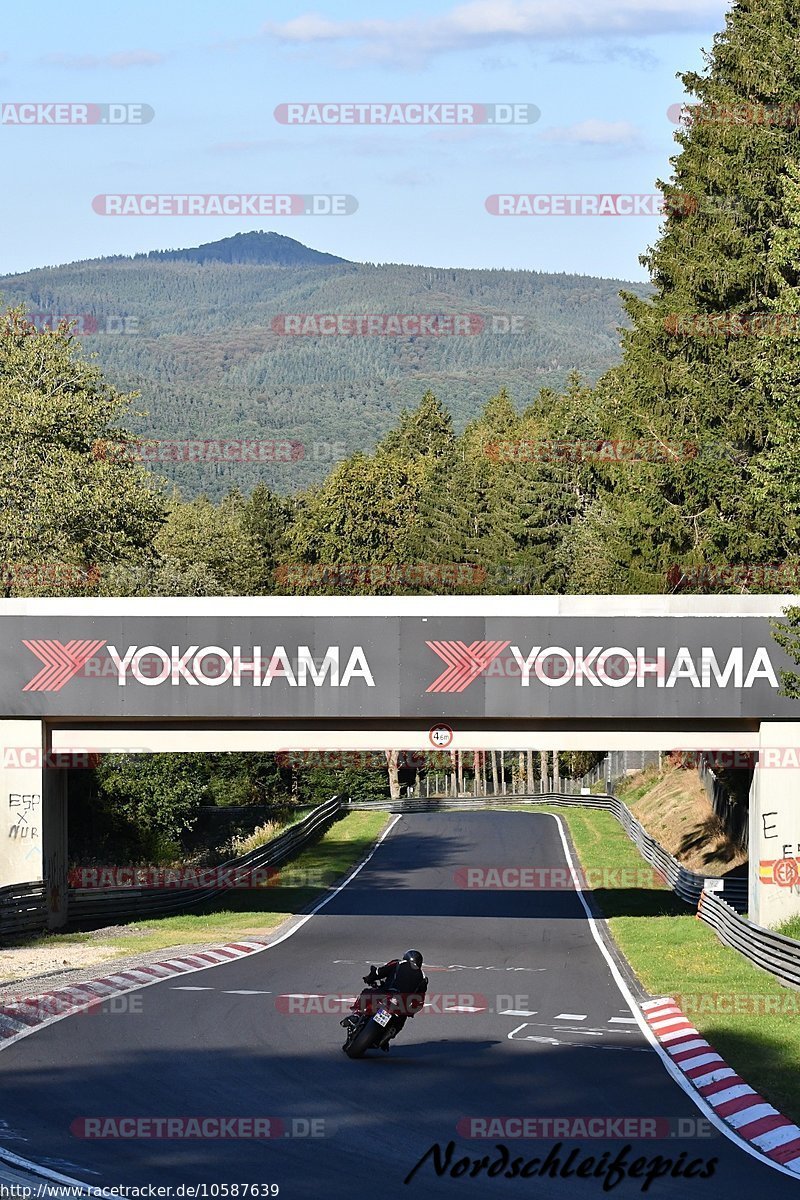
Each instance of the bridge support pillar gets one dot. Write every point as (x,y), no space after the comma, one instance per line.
(33,815)
(774,885)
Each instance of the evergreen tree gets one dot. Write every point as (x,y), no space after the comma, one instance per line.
(69,496)
(777,469)
(687,389)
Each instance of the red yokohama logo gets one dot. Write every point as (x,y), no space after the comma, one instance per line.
(464,663)
(61,662)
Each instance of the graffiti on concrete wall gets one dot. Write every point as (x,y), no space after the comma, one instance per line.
(24,823)
(784,870)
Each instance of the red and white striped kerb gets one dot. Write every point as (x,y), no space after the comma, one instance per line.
(24,1016)
(733,1101)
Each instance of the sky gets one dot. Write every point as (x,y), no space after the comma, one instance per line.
(602,74)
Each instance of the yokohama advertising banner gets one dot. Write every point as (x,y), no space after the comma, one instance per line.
(273,665)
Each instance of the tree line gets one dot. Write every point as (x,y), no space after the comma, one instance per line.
(675,471)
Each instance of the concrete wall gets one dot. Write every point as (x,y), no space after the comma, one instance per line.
(21,801)
(775,826)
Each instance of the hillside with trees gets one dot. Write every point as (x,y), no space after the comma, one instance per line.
(540,463)
(197,333)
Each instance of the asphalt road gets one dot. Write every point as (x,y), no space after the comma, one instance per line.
(526,1020)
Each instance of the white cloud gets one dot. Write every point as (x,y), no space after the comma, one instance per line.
(483,23)
(119,60)
(594,133)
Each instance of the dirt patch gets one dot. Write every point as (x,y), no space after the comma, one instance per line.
(676,811)
(34,969)
(33,962)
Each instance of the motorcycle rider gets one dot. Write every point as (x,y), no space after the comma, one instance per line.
(403,975)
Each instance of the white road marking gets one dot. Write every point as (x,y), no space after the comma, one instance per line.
(622,1020)
(192,989)
(669,1066)
(571,1017)
(245,993)
(515,1012)
(531,1037)
(77,1186)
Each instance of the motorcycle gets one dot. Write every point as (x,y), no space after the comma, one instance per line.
(375,1017)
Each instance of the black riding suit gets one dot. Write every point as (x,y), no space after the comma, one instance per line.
(401,976)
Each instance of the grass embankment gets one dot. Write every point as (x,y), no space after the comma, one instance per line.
(791,929)
(238,913)
(673,806)
(675,954)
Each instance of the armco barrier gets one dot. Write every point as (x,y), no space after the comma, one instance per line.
(773,952)
(100,904)
(23,906)
(686,884)
(23,909)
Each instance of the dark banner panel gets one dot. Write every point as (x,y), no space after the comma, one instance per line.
(238,667)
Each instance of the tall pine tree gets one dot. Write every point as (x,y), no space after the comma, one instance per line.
(693,396)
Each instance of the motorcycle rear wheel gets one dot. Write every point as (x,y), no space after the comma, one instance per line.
(363,1041)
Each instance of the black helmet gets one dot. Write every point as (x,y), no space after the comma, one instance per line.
(414,957)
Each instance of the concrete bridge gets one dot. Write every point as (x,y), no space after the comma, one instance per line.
(80,677)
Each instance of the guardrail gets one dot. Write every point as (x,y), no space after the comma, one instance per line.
(23,908)
(101,904)
(687,885)
(771,951)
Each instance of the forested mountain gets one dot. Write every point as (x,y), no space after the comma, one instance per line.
(198,334)
(263,249)
(501,453)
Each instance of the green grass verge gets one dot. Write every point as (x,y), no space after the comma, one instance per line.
(791,928)
(239,913)
(675,954)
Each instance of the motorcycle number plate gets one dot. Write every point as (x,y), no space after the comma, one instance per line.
(383,1017)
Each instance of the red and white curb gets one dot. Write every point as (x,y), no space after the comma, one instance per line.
(23,1016)
(733,1101)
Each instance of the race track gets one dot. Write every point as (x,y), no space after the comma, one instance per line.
(542,1030)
